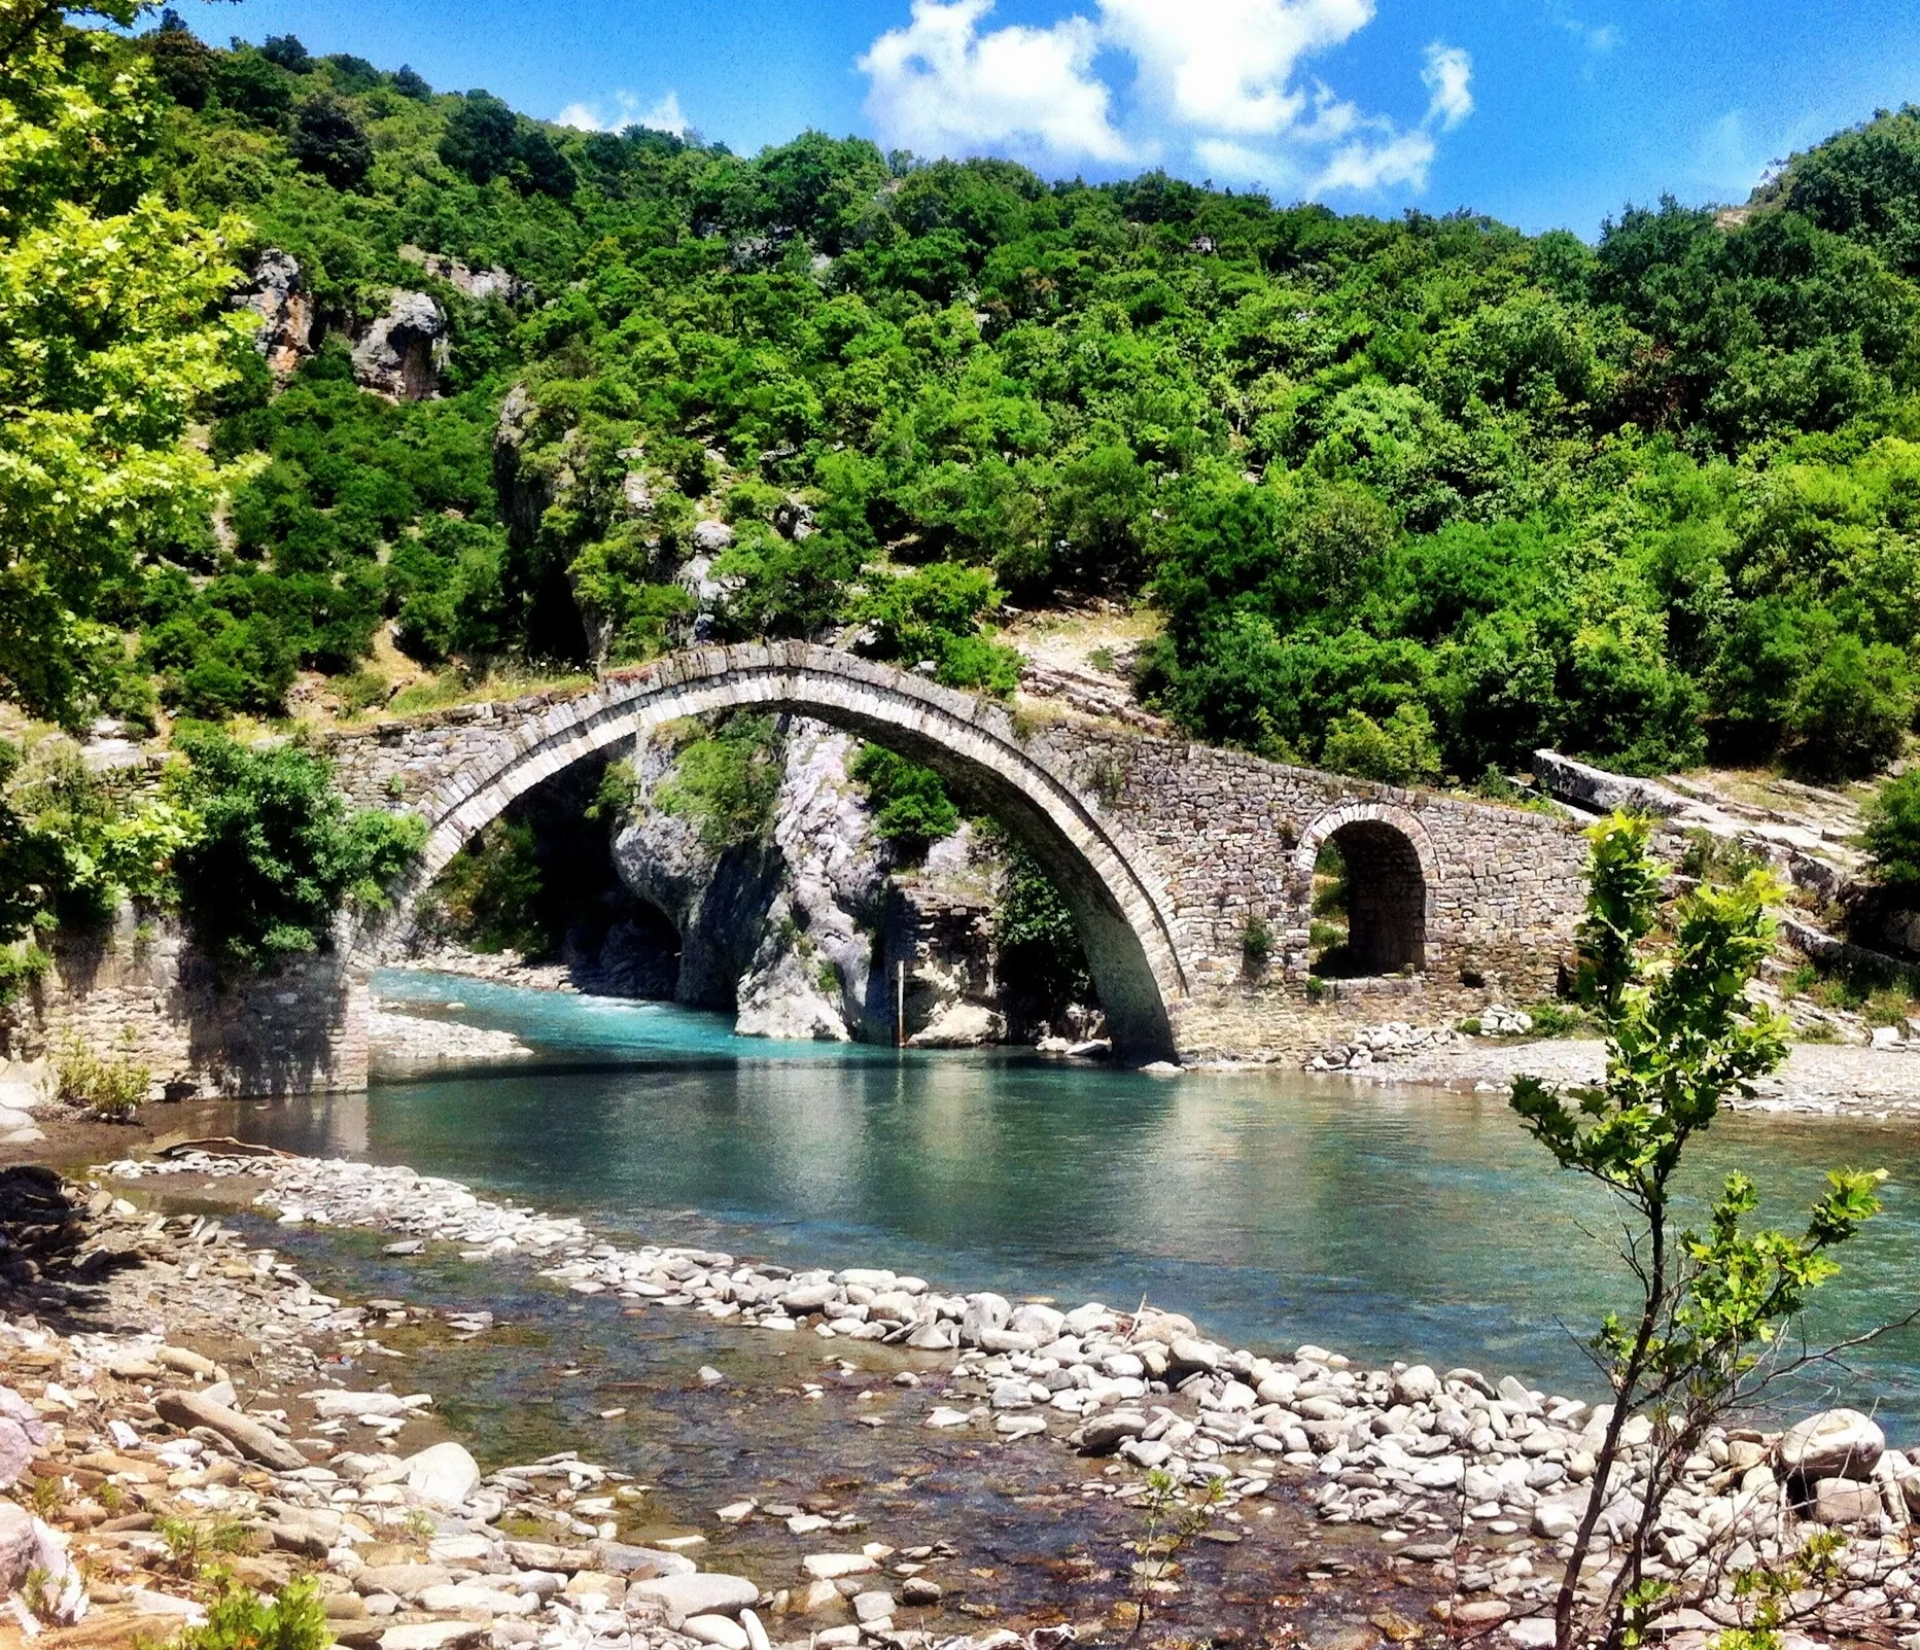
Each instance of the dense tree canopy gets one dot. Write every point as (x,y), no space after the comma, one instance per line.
(1412,496)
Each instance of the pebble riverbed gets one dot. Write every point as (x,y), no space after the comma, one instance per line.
(1476,1481)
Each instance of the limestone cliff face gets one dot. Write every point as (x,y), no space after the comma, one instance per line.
(808,976)
(800,935)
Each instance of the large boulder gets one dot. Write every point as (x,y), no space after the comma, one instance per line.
(707,1594)
(1846,1501)
(443,1474)
(1836,1443)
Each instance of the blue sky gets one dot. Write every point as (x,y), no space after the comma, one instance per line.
(1547,113)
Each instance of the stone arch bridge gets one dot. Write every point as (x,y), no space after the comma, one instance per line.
(1189,869)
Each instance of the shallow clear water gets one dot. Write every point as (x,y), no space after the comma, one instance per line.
(1273,1208)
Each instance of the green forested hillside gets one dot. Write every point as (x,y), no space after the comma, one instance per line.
(1413,496)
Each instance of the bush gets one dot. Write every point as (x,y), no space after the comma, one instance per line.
(1892,835)
(727,782)
(1402,752)
(113,1090)
(910,803)
(239,1619)
(278,855)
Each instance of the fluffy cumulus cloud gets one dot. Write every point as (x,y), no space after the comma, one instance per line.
(1220,85)
(941,86)
(624,110)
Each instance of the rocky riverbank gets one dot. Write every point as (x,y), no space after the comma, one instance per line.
(1472,1484)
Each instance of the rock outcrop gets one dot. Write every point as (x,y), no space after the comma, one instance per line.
(801,936)
(477,284)
(401,354)
(278,294)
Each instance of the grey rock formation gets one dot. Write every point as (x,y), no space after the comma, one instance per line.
(401,354)
(809,972)
(477,284)
(763,925)
(278,294)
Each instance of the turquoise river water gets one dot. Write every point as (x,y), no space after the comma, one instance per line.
(1273,1208)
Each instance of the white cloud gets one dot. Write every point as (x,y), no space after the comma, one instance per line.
(1228,64)
(941,86)
(664,116)
(1363,165)
(1219,82)
(1449,77)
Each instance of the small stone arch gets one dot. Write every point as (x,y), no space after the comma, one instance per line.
(1393,874)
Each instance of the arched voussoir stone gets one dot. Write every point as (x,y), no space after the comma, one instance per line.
(1119,906)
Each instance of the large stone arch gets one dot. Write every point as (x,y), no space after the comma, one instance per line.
(1123,915)
(1393,879)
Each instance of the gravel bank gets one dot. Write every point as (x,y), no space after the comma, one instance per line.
(1473,1481)
(1818,1079)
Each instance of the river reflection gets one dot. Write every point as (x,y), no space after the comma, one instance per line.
(1274,1208)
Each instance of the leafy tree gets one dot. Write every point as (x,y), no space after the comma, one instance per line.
(285,51)
(1851,710)
(252,84)
(1041,956)
(328,139)
(933,614)
(480,135)
(94,396)
(488,896)
(1703,1334)
(410,84)
(278,855)
(181,63)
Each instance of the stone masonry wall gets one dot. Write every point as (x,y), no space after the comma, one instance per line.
(1167,850)
(140,992)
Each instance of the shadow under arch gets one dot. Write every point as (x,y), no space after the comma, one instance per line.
(1120,912)
(1392,872)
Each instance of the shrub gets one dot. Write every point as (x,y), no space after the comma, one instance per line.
(1404,751)
(239,1619)
(110,1089)
(910,803)
(1256,943)
(1892,835)
(727,782)
(278,854)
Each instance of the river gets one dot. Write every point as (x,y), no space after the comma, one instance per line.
(1272,1207)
